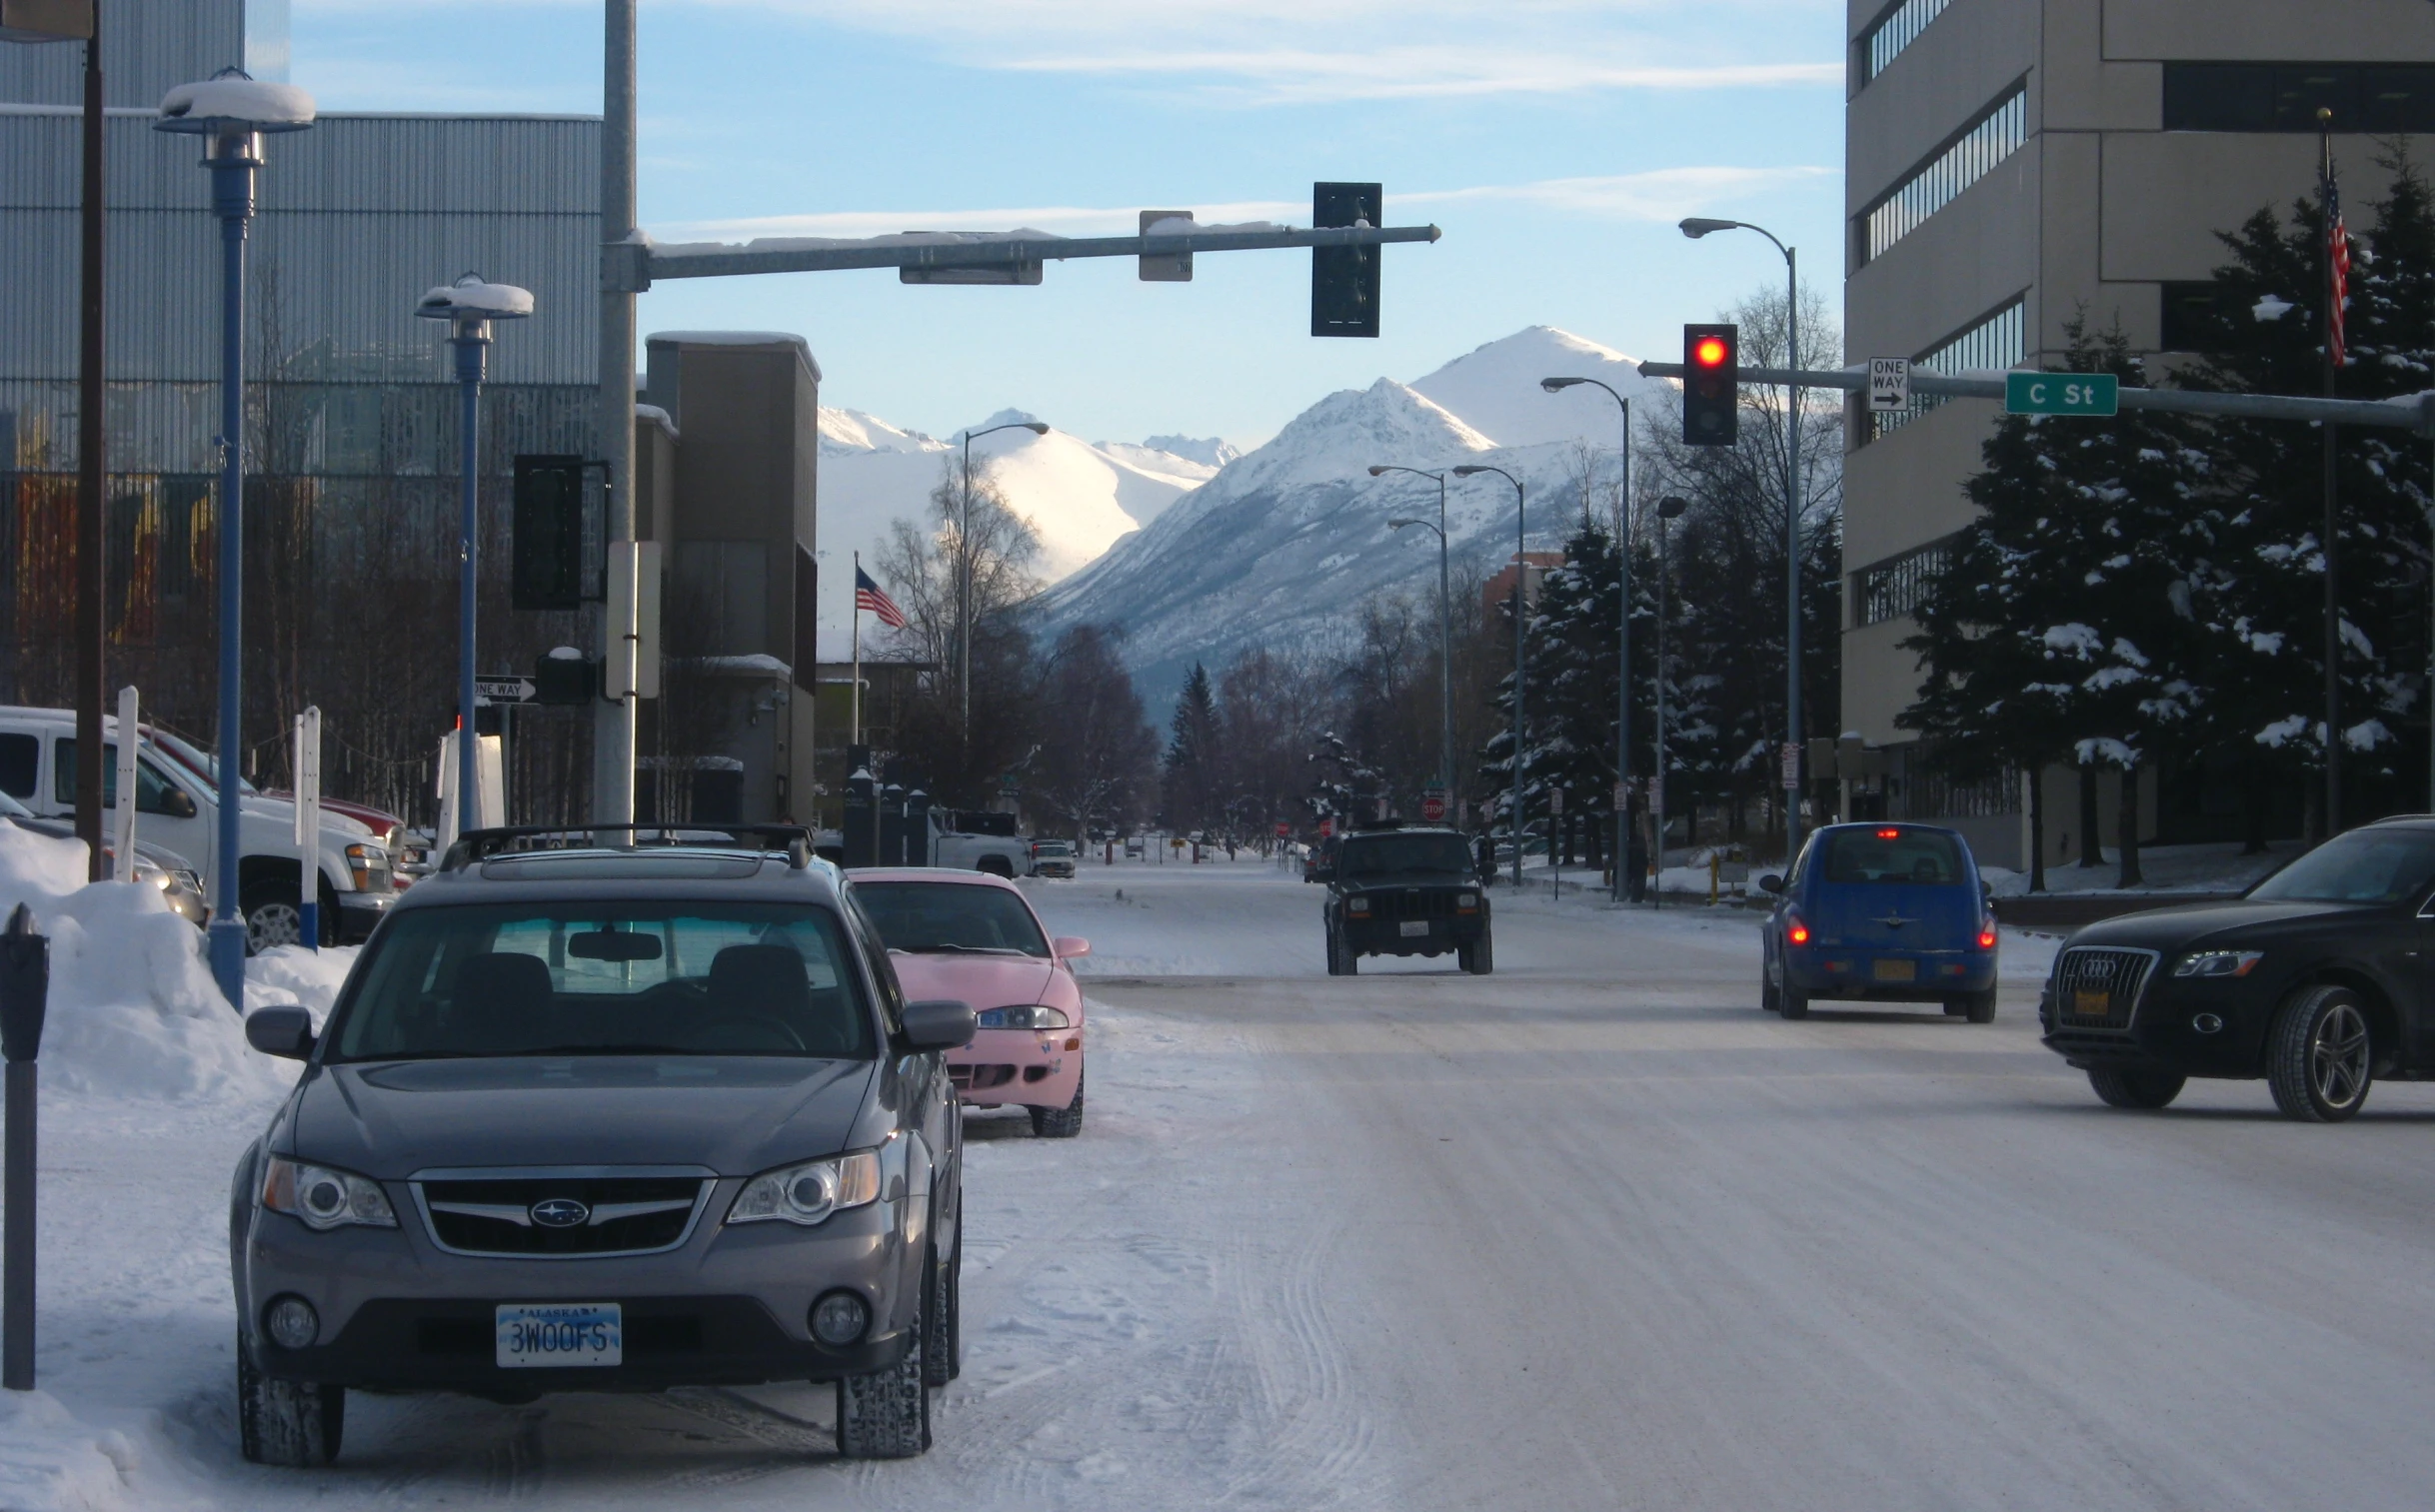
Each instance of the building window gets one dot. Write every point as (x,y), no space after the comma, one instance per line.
(1990,345)
(1971,156)
(1896,30)
(2285,97)
(2189,317)
(1891,589)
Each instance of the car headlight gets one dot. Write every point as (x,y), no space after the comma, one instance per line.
(325,1198)
(810,1193)
(1024,1015)
(191,883)
(1356,906)
(363,862)
(2218,963)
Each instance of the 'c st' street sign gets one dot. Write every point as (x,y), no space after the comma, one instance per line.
(2062,393)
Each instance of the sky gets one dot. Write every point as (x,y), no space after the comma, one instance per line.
(1556,142)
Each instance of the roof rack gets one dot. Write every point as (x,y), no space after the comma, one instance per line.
(481,845)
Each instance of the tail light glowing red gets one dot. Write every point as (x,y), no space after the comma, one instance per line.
(1797,929)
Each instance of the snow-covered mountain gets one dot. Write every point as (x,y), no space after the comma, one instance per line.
(1285,538)
(1082,498)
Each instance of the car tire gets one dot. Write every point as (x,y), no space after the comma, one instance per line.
(937,1323)
(2320,1055)
(273,917)
(1791,1002)
(1060,1122)
(1336,966)
(885,1414)
(1479,958)
(293,1424)
(2135,1086)
(1770,1000)
(1980,1007)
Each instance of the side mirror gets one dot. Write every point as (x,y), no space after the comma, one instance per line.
(284,1031)
(177,803)
(1068,946)
(1770,883)
(943,1024)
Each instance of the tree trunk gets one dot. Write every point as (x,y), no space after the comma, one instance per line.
(2127,818)
(2037,829)
(2091,853)
(2253,807)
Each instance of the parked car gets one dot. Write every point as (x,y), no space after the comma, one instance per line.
(1397,890)
(1319,860)
(2316,980)
(1053,859)
(177,807)
(155,866)
(976,938)
(595,1119)
(985,842)
(1880,913)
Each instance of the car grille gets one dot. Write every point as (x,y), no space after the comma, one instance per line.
(979,1078)
(2107,980)
(1409,903)
(625,1214)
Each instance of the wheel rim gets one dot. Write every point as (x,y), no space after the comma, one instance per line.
(274,924)
(2337,1056)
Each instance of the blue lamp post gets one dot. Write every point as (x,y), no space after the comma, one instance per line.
(232,112)
(469,306)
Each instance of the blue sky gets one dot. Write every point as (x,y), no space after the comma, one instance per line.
(1555,141)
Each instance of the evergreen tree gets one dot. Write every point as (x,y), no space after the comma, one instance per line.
(1193,760)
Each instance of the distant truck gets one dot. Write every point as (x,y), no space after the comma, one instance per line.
(971,841)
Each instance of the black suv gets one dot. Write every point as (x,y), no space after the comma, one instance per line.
(1405,891)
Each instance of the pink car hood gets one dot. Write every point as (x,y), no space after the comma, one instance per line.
(986,981)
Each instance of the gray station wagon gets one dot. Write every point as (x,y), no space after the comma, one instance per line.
(607,1118)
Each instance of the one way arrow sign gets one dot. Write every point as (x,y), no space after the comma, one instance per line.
(502,689)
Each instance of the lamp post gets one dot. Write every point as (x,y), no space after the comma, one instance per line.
(964,576)
(1669,509)
(1696,227)
(1521,575)
(230,112)
(1445,625)
(1622,634)
(469,306)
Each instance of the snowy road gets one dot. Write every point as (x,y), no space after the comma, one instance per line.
(1591,1232)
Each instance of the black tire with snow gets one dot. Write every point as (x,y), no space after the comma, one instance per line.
(1060,1122)
(291,1423)
(885,1414)
(2320,1056)
(2135,1086)
(1791,1002)
(942,1348)
(1479,958)
(1980,1007)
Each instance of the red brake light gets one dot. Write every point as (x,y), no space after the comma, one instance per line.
(1797,929)
(1986,935)
(1889,834)
(1712,352)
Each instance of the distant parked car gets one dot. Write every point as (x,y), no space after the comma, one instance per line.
(1053,859)
(973,841)
(975,938)
(164,869)
(1878,913)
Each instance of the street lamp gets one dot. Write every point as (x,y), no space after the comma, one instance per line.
(1522,573)
(963,575)
(1696,227)
(1622,638)
(1669,509)
(1445,625)
(469,306)
(231,111)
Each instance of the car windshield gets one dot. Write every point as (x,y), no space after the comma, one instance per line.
(1397,855)
(1051,847)
(948,918)
(1917,858)
(607,978)
(2363,866)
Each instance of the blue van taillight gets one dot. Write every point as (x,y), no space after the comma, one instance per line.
(1797,929)
(1986,933)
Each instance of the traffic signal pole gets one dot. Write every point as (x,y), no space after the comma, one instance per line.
(614,715)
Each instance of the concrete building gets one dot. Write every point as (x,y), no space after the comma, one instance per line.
(2012,164)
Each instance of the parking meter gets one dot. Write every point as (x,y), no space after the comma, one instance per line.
(25,991)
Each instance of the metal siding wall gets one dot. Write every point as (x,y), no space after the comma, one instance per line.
(148,48)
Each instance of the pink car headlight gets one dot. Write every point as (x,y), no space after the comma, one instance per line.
(1024,1015)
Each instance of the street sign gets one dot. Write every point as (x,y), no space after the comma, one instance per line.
(1623,795)
(1889,383)
(1432,805)
(1792,767)
(1555,802)
(503,690)
(1326,828)
(1283,829)
(2062,393)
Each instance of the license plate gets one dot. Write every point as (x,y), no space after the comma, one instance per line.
(1897,970)
(561,1334)
(2088,1004)
(1416,927)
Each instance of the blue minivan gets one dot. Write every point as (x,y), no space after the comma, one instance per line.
(1880,913)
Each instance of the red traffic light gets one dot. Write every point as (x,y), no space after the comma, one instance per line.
(1712,352)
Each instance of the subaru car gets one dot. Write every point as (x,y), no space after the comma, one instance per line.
(586,1120)
(1880,913)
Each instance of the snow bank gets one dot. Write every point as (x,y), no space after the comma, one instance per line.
(133,1011)
(48,1459)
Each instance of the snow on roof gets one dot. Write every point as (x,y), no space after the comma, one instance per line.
(656,415)
(255,102)
(802,347)
(473,294)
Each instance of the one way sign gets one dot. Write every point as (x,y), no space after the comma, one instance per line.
(502,689)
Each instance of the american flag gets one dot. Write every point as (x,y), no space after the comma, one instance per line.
(2337,251)
(868,595)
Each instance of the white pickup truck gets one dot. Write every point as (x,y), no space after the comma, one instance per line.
(178,807)
(979,842)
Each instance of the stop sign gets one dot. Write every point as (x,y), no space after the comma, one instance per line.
(1432,808)
(1283,829)
(1326,828)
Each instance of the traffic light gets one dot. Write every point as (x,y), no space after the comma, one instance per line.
(1711,385)
(546,547)
(566,679)
(1344,279)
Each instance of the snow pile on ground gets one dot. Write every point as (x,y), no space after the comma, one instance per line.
(292,973)
(133,1009)
(49,1459)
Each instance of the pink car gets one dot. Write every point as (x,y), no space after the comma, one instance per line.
(973,937)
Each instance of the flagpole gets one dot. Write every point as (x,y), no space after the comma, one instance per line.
(857,649)
(2334,233)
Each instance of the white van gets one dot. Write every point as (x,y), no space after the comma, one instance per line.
(177,807)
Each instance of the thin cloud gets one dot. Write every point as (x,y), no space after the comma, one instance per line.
(1280,75)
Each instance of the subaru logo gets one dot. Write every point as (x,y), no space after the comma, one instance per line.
(559,1212)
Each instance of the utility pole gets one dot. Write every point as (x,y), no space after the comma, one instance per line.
(614,720)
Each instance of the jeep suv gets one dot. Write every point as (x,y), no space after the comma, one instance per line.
(587,1119)
(1395,890)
